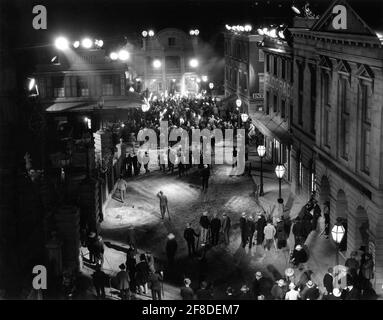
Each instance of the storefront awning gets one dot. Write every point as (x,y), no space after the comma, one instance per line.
(63,106)
(268,127)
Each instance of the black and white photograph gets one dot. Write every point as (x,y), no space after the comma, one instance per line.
(212,151)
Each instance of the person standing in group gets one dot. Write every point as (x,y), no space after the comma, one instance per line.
(235,153)
(187,293)
(261,224)
(121,186)
(215,227)
(142,274)
(226,225)
(281,234)
(292,294)
(189,235)
(171,249)
(353,265)
(154,283)
(203,293)
(269,232)
(251,226)
(163,204)
(123,281)
(205,224)
(298,231)
(244,229)
(205,175)
(100,280)
(328,281)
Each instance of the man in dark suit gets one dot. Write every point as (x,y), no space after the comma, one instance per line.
(328,281)
(350,292)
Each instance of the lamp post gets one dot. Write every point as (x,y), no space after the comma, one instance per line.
(261,153)
(280,171)
(337,233)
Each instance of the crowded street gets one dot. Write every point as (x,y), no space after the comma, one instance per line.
(186,150)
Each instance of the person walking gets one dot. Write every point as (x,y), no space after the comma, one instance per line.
(298,231)
(189,236)
(171,249)
(353,265)
(205,175)
(131,267)
(205,225)
(121,187)
(187,293)
(123,282)
(215,227)
(244,229)
(163,204)
(226,225)
(251,226)
(269,232)
(366,272)
(260,286)
(154,284)
(100,280)
(278,291)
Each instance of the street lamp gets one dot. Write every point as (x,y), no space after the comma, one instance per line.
(123,55)
(261,153)
(238,102)
(157,64)
(193,63)
(280,171)
(211,85)
(337,233)
(86,43)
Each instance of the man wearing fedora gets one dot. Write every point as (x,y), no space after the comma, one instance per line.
(244,229)
(278,291)
(123,281)
(310,291)
(226,225)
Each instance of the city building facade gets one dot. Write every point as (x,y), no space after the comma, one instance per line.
(332,87)
(168,61)
(244,65)
(342,58)
(274,119)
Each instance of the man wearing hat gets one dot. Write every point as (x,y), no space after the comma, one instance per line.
(251,226)
(299,256)
(310,291)
(260,286)
(189,235)
(328,281)
(91,246)
(100,280)
(278,291)
(187,293)
(335,294)
(205,175)
(261,224)
(269,232)
(123,281)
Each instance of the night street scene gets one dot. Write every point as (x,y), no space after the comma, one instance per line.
(191,150)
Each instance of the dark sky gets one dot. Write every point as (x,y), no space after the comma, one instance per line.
(111,20)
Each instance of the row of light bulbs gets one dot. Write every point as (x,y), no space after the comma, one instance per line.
(238,28)
(62,43)
(272,32)
(149,33)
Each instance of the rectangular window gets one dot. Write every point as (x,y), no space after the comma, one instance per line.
(107,86)
(313,89)
(275,104)
(58,87)
(300,92)
(267,102)
(275,66)
(344,118)
(283,67)
(171,42)
(366,126)
(283,108)
(82,87)
(173,64)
